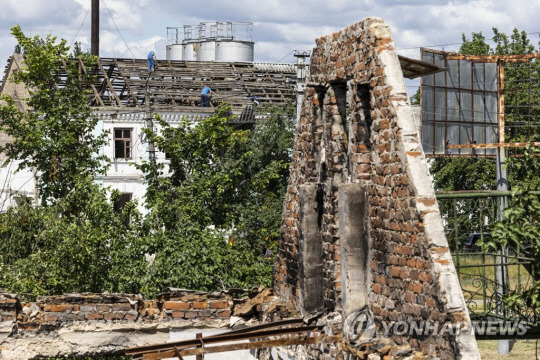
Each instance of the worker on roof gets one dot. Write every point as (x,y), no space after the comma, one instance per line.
(151,62)
(205,93)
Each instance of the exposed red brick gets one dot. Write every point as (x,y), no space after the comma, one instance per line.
(191,314)
(175,305)
(130,317)
(221,304)
(113,316)
(200,305)
(94,316)
(58,308)
(178,314)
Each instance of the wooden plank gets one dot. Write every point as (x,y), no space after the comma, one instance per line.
(494,58)
(494,145)
(136,101)
(108,81)
(96,93)
(500,96)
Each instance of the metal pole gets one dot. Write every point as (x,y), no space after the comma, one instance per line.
(95,28)
(301,57)
(503,346)
(150,125)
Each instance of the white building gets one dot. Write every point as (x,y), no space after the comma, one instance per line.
(174,89)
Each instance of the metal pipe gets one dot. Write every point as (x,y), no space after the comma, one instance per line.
(475,194)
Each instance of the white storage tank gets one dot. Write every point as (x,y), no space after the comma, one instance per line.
(174,52)
(189,51)
(234,51)
(206,51)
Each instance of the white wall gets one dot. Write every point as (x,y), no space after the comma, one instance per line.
(122,174)
(13,184)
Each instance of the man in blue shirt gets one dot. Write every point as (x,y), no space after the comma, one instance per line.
(151,62)
(205,101)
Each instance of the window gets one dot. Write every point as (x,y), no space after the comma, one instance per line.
(122,143)
(122,201)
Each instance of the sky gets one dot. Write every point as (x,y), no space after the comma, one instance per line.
(132,28)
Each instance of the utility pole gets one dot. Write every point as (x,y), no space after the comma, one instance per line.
(503,346)
(150,126)
(95,28)
(301,72)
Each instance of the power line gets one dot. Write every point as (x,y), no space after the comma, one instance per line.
(103,1)
(80,27)
(284,57)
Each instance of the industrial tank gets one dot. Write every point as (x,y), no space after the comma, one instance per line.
(174,52)
(206,51)
(189,51)
(229,50)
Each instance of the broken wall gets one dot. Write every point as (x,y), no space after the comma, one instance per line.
(73,325)
(361,226)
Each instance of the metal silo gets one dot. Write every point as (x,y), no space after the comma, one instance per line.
(190,43)
(234,51)
(189,50)
(206,50)
(235,42)
(174,52)
(174,46)
(207,41)
(212,41)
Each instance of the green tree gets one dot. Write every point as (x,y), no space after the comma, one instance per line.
(519,230)
(216,211)
(56,136)
(52,249)
(78,51)
(73,241)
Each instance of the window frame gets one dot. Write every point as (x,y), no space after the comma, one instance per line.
(119,205)
(124,140)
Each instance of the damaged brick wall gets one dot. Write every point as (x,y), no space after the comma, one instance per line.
(360,215)
(105,324)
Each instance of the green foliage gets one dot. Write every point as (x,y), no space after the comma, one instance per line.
(74,241)
(214,212)
(56,137)
(78,51)
(217,209)
(463,174)
(48,250)
(415,99)
(520,230)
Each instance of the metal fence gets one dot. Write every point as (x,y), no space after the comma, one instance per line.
(486,277)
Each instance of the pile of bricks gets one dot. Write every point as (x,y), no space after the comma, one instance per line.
(84,307)
(8,307)
(54,311)
(196,306)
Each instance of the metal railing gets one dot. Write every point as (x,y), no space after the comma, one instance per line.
(486,277)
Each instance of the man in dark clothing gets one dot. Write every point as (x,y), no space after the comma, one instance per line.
(205,100)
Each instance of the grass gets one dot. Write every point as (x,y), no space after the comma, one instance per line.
(471,272)
(522,350)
